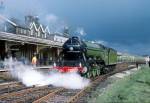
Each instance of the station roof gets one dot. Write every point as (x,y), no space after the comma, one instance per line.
(28,39)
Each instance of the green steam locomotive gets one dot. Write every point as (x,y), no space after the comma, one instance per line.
(87,58)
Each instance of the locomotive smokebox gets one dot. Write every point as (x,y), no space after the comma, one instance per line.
(74,44)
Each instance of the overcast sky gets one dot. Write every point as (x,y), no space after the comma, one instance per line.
(121,24)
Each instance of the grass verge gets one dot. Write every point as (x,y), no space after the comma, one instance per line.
(131,89)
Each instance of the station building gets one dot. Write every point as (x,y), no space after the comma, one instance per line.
(23,40)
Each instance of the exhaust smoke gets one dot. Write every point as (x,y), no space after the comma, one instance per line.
(30,76)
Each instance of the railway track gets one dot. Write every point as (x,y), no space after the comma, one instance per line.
(27,95)
(6,84)
(49,94)
(70,96)
(9,87)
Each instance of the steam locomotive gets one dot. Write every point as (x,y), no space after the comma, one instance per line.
(87,58)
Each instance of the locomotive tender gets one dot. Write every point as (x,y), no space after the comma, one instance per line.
(87,58)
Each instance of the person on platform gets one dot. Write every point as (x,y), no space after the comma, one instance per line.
(149,62)
(34,60)
(137,65)
(147,59)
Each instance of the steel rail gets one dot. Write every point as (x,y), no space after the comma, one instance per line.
(45,98)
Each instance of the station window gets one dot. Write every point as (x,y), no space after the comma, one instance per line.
(17,31)
(21,31)
(28,32)
(39,34)
(45,35)
(31,33)
(42,35)
(25,32)
(35,34)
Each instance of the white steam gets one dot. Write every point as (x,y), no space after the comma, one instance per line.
(80,31)
(29,76)
(55,23)
(100,42)
(51,18)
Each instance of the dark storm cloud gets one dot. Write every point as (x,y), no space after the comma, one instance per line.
(124,24)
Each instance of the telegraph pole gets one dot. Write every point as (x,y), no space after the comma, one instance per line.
(1,4)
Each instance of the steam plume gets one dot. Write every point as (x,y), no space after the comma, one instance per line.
(29,76)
